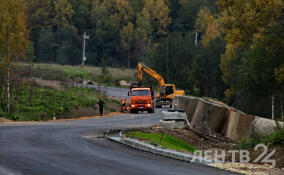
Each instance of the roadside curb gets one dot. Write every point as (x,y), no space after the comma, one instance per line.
(118,136)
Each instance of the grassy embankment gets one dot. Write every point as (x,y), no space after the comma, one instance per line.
(104,76)
(163,140)
(41,104)
(38,97)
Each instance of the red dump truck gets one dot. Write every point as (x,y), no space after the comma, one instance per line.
(141,99)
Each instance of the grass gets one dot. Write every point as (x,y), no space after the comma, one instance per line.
(65,73)
(167,141)
(40,104)
(40,100)
(270,140)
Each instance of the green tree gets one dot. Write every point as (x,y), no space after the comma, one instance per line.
(158,13)
(67,39)
(46,49)
(63,13)
(39,15)
(69,49)
(109,19)
(205,73)
(172,58)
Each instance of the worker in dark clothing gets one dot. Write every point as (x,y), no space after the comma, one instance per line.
(101,105)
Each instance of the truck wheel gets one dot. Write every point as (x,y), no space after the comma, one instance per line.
(132,111)
(152,110)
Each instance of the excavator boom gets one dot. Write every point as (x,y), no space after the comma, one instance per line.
(166,91)
(149,71)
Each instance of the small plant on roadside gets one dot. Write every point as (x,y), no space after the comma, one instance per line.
(275,138)
(248,142)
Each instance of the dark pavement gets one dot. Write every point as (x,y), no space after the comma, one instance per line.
(65,148)
(59,148)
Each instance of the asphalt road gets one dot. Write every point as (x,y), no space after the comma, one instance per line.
(76,147)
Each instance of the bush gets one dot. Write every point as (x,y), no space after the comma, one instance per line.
(3,114)
(272,139)
(36,104)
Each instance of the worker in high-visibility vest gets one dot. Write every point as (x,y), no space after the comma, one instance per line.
(123,107)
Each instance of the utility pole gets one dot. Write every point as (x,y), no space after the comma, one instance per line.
(128,62)
(196,37)
(84,59)
(272,107)
(168,58)
(282,115)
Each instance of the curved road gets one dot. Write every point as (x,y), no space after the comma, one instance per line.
(39,148)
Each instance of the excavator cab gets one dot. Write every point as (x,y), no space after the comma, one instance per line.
(167,90)
(166,95)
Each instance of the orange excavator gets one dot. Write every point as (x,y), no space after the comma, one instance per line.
(166,93)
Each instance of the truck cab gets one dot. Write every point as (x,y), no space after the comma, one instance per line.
(141,99)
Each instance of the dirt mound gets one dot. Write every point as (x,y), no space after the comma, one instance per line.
(204,141)
(5,120)
(195,140)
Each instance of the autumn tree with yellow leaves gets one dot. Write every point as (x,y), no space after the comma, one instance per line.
(208,24)
(13,41)
(253,31)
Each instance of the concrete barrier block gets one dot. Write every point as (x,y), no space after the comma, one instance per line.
(209,115)
(186,103)
(172,124)
(173,115)
(263,127)
(244,126)
(232,125)
(238,125)
(226,124)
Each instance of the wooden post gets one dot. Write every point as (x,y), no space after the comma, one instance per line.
(8,91)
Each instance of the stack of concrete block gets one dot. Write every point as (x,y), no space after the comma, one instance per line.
(173,119)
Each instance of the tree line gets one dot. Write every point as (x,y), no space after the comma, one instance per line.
(228,50)
(238,57)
